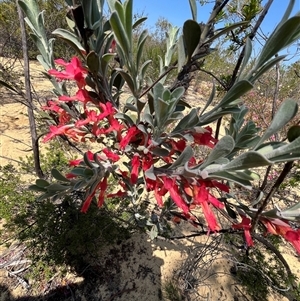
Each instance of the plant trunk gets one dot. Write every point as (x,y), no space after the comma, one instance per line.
(32,124)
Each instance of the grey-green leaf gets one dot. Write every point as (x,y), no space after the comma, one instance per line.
(57,187)
(181,53)
(285,113)
(127,77)
(37,188)
(280,39)
(188,121)
(239,89)
(70,38)
(42,183)
(232,177)
(191,35)
(247,160)
(93,63)
(223,148)
(58,176)
(193,7)
(184,157)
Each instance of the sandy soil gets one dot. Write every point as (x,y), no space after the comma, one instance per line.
(137,269)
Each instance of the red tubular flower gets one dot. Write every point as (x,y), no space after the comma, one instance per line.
(135,163)
(192,162)
(114,126)
(205,138)
(175,146)
(76,162)
(91,117)
(63,116)
(282,228)
(219,185)
(103,187)
(87,203)
(132,132)
(159,189)
(113,46)
(202,197)
(215,202)
(171,186)
(293,237)
(81,95)
(107,110)
(111,155)
(56,131)
(89,199)
(52,106)
(150,184)
(67,130)
(246,226)
(147,161)
(70,176)
(119,194)
(73,70)
(158,197)
(210,217)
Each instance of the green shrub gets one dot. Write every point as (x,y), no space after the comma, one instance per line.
(15,198)
(261,272)
(57,234)
(55,154)
(171,291)
(10,38)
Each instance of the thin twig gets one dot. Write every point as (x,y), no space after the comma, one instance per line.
(265,181)
(215,77)
(251,37)
(286,169)
(200,233)
(155,82)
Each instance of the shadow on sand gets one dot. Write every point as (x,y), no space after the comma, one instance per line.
(125,271)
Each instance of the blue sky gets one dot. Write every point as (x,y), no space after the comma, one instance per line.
(177,11)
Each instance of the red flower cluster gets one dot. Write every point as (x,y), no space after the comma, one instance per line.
(73,71)
(273,226)
(186,193)
(282,228)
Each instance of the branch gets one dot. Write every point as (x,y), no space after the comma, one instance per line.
(265,181)
(155,82)
(287,168)
(31,118)
(216,10)
(251,37)
(297,73)
(215,77)
(200,233)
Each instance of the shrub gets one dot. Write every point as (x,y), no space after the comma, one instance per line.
(157,132)
(157,138)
